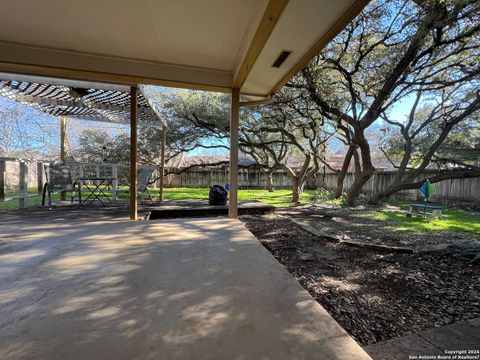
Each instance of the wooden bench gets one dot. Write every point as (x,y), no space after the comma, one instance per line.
(421,210)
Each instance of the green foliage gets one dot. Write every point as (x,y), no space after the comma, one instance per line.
(322,195)
(395,220)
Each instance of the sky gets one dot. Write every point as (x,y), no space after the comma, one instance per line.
(40,132)
(28,134)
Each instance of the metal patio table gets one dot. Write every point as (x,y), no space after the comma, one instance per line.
(95,186)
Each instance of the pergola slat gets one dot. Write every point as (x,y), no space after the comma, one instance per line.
(91,104)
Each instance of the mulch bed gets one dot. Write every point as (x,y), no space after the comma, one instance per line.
(373,296)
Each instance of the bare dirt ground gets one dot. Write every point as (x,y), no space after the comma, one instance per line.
(374,296)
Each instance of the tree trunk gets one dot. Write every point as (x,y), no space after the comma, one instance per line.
(298,178)
(269,182)
(358,167)
(297,189)
(374,199)
(343,171)
(367,169)
(410,183)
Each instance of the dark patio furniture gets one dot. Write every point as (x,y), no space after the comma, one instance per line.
(95,186)
(143,178)
(58,180)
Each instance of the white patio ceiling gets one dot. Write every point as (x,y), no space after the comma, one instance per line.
(208,44)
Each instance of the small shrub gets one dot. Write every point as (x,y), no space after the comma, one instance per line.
(322,195)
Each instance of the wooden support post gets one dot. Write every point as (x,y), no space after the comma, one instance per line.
(81,171)
(133,153)
(234,124)
(39,177)
(23,185)
(97,174)
(162,163)
(3,167)
(63,146)
(114,183)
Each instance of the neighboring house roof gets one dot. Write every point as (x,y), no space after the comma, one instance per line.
(336,162)
(243,161)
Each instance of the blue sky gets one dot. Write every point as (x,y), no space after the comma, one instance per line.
(41,132)
(52,139)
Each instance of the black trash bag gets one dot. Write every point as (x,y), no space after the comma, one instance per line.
(218,195)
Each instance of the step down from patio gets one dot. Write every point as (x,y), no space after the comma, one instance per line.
(200,208)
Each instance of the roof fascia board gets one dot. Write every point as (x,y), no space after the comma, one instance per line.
(273,12)
(339,25)
(24,59)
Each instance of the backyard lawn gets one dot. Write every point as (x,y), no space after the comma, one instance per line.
(279,198)
(390,218)
(393,216)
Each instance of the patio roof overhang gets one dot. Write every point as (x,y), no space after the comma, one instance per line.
(249,48)
(210,45)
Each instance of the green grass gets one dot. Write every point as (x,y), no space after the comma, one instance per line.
(395,220)
(392,217)
(278,198)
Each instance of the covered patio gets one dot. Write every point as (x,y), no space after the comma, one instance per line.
(249,49)
(97,285)
(103,288)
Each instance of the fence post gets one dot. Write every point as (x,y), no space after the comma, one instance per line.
(39,177)
(97,173)
(81,172)
(114,182)
(2,179)
(23,185)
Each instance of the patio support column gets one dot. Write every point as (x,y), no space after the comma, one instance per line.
(234,123)
(39,177)
(133,153)
(3,164)
(162,162)
(63,146)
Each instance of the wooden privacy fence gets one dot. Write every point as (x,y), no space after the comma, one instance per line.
(21,179)
(247,179)
(24,178)
(453,191)
(17,175)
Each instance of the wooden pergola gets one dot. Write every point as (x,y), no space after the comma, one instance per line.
(88,101)
(248,48)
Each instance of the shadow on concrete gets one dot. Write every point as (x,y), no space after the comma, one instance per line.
(186,289)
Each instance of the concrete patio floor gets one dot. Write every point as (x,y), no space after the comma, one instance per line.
(103,288)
